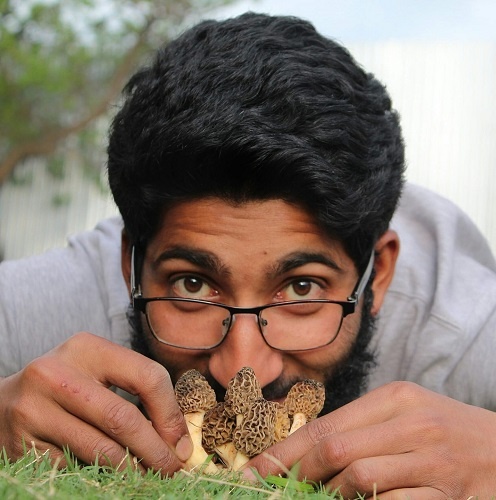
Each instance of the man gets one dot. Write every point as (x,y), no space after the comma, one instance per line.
(257,168)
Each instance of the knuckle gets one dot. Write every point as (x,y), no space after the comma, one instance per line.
(431,425)
(155,376)
(102,450)
(404,393)
(78,341)
(336,451)
(20,412)
(15,444)
(45,374)
(121,417)
(81,338)
(271,461)
(176,422)
(37,370)
(165,463)
(361,475)
(319,429)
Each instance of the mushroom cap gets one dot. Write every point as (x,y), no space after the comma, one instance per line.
(256,433)
(241,390)
(217,428)
(306,397)
(282,423)
(193,392)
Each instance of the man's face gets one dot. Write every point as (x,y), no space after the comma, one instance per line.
(248,255)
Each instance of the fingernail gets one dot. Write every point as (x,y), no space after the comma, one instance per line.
(184,448)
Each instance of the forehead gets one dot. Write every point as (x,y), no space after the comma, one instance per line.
(247,230)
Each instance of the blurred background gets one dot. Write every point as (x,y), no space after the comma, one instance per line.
(63,64)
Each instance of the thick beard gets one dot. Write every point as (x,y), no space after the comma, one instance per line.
(345,382)
(350,377)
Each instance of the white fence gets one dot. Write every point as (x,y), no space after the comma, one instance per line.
(444,92)
(31,221)
(446,95)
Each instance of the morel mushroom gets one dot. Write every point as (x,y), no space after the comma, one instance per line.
(195,396)
(241,391)
(217,433)
(304,402)
(256,432)
(283,423)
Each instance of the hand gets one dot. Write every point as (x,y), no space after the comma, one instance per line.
(407,441)
(62,399)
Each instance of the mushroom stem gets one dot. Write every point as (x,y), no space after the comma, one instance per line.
(304,402)
(282,424)
(240,460)
(199,456)
(217,434)
(195,396)
(299,420)
(227,453)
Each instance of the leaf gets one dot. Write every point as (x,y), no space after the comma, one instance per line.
(65,62)
(290,483)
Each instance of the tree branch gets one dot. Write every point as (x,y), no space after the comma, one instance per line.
(47,142)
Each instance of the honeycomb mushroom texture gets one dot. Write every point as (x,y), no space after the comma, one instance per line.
(306,397)
(256,433)
(194,393)
(241,390)
(282,424)
(195,396)
(218,428)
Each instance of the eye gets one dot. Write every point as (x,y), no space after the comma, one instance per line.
(301,289)
(193,287)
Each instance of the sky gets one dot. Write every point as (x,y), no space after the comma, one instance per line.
(375,20)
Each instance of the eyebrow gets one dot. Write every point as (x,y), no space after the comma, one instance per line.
(210,262)
(200,258)
(299,259)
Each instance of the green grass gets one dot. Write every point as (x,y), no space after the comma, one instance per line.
(35,477)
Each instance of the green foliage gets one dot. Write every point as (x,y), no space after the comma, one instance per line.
(35,477)
(64,63)
(61,200)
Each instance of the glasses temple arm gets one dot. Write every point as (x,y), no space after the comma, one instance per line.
(135,289)
(364,279)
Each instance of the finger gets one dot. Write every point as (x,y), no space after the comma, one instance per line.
(86,442)
(142,377)
(375,408)
(398,436)
(53,428)
(41,450)
(59,456)
(160,403)
(387,473)
(110,423)
(413,494)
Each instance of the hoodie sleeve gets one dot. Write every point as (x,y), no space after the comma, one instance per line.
(46,298)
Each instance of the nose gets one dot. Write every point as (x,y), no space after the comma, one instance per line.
(245,346)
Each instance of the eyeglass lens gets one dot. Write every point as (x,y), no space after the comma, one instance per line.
(285,327)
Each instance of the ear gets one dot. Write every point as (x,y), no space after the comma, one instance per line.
(126,259)
(387,249)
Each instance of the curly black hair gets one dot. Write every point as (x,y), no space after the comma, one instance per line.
(252,108)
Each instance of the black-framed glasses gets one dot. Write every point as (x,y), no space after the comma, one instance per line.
(287,326)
